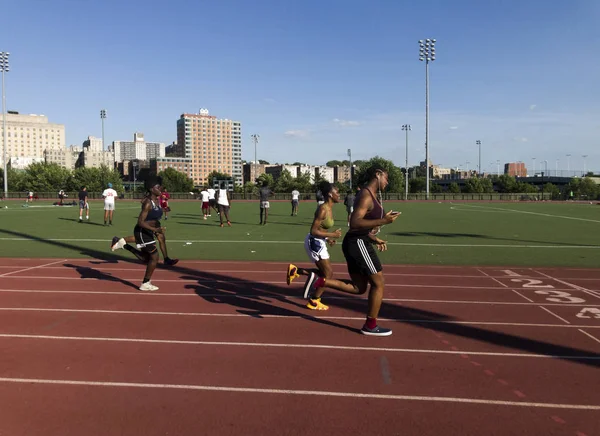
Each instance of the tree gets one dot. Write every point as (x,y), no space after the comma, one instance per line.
(46,177)
(16,180)
(506,183)
(334,163)
(417,184)
(176,181)
(395,176)
(453,188)
(263,162)
(553,190)
(284,182)
(265,179)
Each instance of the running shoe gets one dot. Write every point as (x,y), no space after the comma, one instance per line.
(171,262)
(117,243)
(377,331)
(315,304)
(292,273)
(148,286)
(309,285)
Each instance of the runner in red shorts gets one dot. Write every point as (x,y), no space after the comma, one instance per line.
(164,203)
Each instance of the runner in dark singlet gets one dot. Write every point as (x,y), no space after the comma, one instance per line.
(363,264)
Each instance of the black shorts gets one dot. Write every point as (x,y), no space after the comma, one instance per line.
(145,240)
(361,256)
(212,202)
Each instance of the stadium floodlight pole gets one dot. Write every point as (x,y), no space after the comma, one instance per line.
(533,159)
(498,167)
(406,128)
(584,156)
(350,159)
(556,168)
(4,67)
(479,167)
(103,117)
(255,139)
(427,54)
(568,164)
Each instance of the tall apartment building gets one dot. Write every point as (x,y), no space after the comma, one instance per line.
(93,156)
(209,144)
(29,135)
(138,149)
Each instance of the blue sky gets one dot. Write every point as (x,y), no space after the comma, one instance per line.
(314,78)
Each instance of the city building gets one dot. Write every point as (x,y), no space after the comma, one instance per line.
(174,150)
(29,135)
(65,157)
(93,156)
(138,149)
(515,169)
(209,144)
(325,173)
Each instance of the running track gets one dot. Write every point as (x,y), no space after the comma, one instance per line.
(227,348)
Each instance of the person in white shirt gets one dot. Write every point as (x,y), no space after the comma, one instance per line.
(109,196)
(211,200)
(295,199)
(204,197)
(223,202)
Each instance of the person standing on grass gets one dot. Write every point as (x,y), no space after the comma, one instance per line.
(349,203)
(83,204)
(264,193)
(204,197)
(315,244)
(363,263)
(164,203)
(295,201)
(109,195)
(212,202)
(223,200)
(147,228)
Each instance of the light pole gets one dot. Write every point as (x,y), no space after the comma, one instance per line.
(498,168)
(407,128)
(350,159)
(134,164)
(4,68)
(556,168)
(427,54)
(533,159)
(479,167)
(584,156)
(568,164)
(103,117)
(255,139)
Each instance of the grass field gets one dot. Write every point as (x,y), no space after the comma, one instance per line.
(527,234)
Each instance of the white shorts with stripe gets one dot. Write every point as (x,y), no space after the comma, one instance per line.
(316,248)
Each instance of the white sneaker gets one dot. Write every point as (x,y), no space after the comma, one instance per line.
(148,286)
(119,244)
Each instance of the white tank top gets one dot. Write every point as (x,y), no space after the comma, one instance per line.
(223,201)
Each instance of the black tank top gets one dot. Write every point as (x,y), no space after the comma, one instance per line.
(155,213)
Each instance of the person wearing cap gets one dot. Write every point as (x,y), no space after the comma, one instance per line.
(109,196)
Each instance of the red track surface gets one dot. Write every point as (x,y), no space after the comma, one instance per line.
(227,348)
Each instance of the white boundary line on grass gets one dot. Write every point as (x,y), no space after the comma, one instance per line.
(523,211)
(402,244)
(287,345)
(354,395)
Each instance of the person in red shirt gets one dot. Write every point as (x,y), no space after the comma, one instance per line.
(164,203)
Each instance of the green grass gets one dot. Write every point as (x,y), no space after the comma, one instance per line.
(528,234)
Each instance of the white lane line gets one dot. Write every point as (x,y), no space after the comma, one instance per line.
(521,295)
(288,297)
(294,316)
(493,278)
(571,285)
(587,334)
(254,241)
(242,282)
(30,268)
(302,392)
(555,315)
(299,346)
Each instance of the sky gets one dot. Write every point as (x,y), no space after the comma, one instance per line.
(315,78)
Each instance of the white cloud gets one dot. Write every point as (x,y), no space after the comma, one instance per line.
(269,100)
(532,107)
(346,123)
(453,127)
(296,133)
